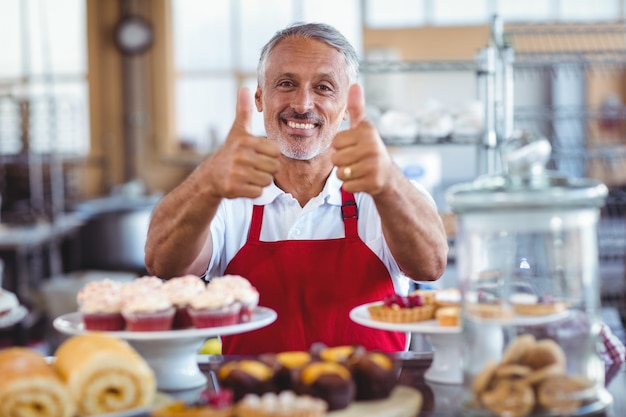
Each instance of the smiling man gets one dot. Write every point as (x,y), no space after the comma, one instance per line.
(317,219)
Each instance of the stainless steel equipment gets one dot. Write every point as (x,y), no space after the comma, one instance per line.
(527,260)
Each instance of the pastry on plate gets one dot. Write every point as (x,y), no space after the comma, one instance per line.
(330,381)
(449,297)
(214,307)
(448,316)
(374,373)
(180,290)
(148,311)
(210,404)
(104,374)
(246,376)
(28,383)
(532,305)
(243,291)
(285,366)
(396,308)
(100,304)
(284,404)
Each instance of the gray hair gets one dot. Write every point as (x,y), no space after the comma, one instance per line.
(317,31)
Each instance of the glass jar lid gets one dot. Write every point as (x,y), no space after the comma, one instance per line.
(526,183)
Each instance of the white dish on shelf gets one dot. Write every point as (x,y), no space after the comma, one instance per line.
(172,354)
(14,316)
(446,367)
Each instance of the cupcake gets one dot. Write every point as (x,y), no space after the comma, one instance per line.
(286,365)
(213,307)
(375,374)
(180,291)
(247,376)
(339,354)
(100,304)
(242,290)
(139,285)
(147,311)
(330,381)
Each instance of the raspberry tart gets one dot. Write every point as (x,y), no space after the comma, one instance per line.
(397,308)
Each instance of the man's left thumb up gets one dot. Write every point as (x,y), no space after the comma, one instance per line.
(356,105)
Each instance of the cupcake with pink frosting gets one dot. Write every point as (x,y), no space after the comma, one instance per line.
(147,311)
(242,290)
(141,284)
(100,303)
(180,291)
(214,307)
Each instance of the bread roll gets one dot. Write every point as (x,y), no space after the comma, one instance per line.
(29,387)
(104,374)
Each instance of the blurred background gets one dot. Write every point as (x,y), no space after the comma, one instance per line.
(105,105)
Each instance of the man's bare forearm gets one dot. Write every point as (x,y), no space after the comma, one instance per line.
(178,240)
(413,229)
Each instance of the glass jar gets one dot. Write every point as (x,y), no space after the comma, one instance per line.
(527,259)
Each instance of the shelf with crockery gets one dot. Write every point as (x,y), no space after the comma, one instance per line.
(11,311)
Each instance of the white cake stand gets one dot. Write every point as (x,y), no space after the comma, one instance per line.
(446,367)
(172,355)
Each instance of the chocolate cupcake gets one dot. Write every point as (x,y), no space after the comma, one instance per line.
(246,376)
(330,381)
(286,366)
(374,373)
(338,354)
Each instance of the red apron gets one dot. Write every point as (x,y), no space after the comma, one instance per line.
(312,285)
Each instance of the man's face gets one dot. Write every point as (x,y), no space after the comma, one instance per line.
(303,97)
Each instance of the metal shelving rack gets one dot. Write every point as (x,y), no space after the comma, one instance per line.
(588,135)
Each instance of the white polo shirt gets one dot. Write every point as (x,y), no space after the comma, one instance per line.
(284,219)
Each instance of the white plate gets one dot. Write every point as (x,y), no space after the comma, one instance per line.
(172,354)
(446,342)
(72,323)
(13,317)
(361,315)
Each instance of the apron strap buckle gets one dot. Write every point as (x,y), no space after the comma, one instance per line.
(349,210)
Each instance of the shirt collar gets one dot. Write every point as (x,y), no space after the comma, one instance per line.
(331,191)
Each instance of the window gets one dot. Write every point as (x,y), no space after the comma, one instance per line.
(43,86)
(217,45)
(407,13)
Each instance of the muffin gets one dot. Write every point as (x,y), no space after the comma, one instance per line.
(213,307)
(244,293)
(285,404)
(180,291)
(286,365)
(247,376)
(330,381)
(396,308)
(374,373)
(148,311)
(100,304)
(339,354)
